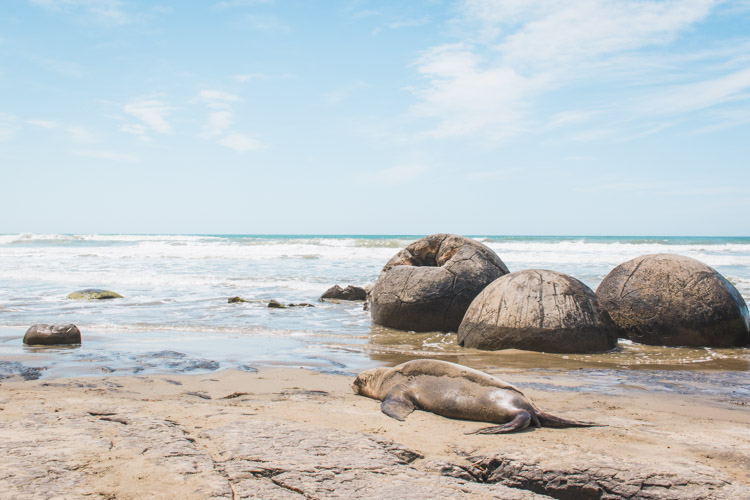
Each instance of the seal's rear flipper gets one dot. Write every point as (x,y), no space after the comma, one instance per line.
(398,403)
(522,421)
(548,420)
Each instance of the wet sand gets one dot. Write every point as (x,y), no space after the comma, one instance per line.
(293,433)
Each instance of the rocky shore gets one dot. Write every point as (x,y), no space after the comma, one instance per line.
(289,433)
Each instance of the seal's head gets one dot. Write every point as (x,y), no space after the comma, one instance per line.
(368,382)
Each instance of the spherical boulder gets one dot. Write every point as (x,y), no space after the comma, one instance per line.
(428,285)
(672,300)
(537,310)
(94,294)
(52,335)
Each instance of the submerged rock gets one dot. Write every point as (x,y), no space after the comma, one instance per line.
(94,294)
(273,304)
(236,300)
(348,293)
(537,310)
(672,300)
(41,334)
(429,285)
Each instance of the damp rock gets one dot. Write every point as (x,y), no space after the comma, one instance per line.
(41,334)
(348,293)
(11,368)
(429,285)
(672,300)
(274,304)
(236,300)
(94,294)
(537,310)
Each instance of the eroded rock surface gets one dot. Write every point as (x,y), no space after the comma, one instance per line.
(673,300)
(428,285)
(537,310)
(573,475)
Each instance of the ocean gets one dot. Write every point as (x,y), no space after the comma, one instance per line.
(175,315)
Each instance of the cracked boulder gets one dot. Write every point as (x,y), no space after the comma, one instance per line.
(40,334)
(673,300)
(537,310)
(428,285)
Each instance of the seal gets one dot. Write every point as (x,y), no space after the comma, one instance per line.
(454,391)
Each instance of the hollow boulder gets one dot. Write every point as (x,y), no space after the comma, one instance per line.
(41,334)
(428,285)
(672,300)
(537,310)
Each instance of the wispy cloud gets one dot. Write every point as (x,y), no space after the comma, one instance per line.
(511,55)
(100,11)
(217,98)
(106,155)
(241,143)
(218,122)
(401,24)
(8,126)
(64,68)
(400,174)
(344,92)
(152,113)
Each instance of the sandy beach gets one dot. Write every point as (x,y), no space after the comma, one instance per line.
(293,433)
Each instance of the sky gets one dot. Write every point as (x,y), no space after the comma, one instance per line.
(540,117)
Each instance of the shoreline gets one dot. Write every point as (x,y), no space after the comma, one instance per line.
(288,433)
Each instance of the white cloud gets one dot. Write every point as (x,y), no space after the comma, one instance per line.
(81,135)
(344,92)
(218,123)
(152,112)
(107,155)
(513,53)
(400,174)
(48,124)
(699,95)
(241,143)
(102,11)
(217,98)
(466,95)
(246,77)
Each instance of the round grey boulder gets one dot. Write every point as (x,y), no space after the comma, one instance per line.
(52,335)
(537,310)
(428,285)
(672,300)
(94,294)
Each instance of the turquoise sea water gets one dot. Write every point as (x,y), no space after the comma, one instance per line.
(175,314)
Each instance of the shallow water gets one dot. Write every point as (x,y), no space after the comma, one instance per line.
(175,316)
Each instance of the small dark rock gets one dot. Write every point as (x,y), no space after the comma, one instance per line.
(301,304)
(348,293)
(94,294)
(273,304)
(236,300)
(52,335)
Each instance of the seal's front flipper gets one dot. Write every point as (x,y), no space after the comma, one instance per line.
(398,403)
(522,421)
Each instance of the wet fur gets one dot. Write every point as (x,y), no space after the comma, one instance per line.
(454,391)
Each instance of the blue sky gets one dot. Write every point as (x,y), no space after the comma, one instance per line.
(584,117)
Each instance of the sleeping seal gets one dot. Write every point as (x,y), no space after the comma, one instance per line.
(454,391)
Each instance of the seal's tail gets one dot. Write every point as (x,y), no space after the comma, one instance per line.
(548,420)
